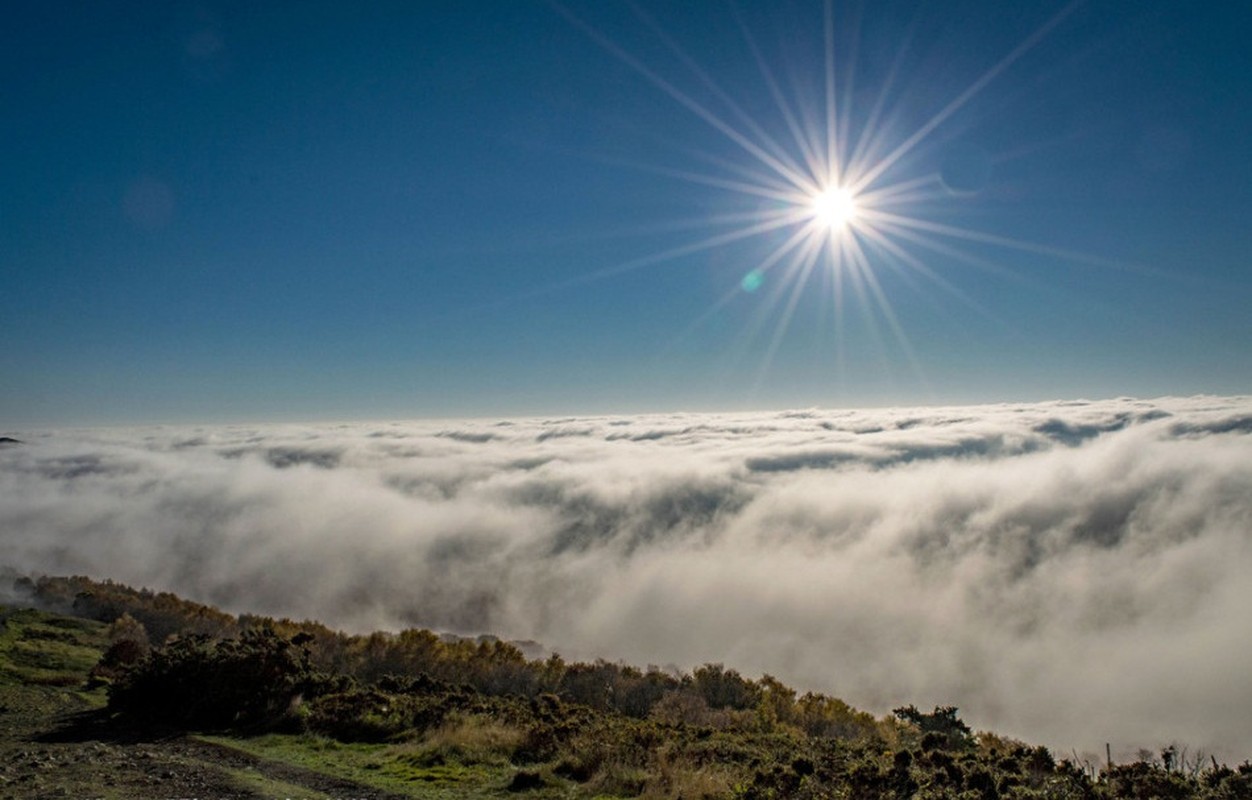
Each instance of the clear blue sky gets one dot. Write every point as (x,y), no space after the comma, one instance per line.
(237,210)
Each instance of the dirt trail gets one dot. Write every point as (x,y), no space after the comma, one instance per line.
(54,745)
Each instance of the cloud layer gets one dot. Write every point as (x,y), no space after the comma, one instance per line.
(1070,573)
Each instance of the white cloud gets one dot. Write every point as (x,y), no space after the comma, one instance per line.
(1071,573)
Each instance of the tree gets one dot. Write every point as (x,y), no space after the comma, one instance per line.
(725,688)
(940,729)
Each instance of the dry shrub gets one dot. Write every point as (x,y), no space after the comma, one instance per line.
(469,739)
(681,778)
(617,779)
(684,708)
(608,765)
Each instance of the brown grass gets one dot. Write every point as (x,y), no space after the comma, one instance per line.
(469,739)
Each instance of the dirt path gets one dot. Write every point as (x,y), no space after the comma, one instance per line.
(52,745)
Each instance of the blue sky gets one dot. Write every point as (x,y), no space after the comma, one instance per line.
(233,211)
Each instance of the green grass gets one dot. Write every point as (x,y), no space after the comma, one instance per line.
(255,783)
(41,649)
(396,768)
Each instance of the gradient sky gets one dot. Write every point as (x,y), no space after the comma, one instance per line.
(232,211)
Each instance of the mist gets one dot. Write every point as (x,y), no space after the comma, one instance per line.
(1070,573)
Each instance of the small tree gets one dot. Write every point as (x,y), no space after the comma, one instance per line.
(725,688)
(127,628)
(940,729)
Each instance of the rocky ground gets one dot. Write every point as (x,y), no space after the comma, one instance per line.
(56,742)
(52,745)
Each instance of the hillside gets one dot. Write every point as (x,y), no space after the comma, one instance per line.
(109,691)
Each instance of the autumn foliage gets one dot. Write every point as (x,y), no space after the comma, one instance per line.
(609,728)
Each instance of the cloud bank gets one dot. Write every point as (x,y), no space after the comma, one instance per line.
(1070,573)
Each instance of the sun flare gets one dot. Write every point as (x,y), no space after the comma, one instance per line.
(833,208)
(839,193)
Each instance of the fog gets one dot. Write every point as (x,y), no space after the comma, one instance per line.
(1070,573)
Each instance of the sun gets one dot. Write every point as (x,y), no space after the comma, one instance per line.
(833,208)
(838,192)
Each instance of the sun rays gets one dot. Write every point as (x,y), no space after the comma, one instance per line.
(840,201)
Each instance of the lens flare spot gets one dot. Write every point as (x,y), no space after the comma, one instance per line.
(752,281)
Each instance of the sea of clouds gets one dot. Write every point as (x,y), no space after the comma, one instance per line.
(1071,573)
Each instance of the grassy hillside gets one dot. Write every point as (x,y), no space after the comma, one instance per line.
(49,650)
(137,694)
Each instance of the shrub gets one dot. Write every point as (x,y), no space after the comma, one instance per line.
(196,682)
(471,739)
(940,729)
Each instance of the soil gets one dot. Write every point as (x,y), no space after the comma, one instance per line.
(55,744)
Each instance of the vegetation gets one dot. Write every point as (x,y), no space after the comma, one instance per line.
(422,714)
(39,649)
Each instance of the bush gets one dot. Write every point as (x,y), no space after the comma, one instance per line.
(196,682)
(941,730)
(471,739)
(359,716)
